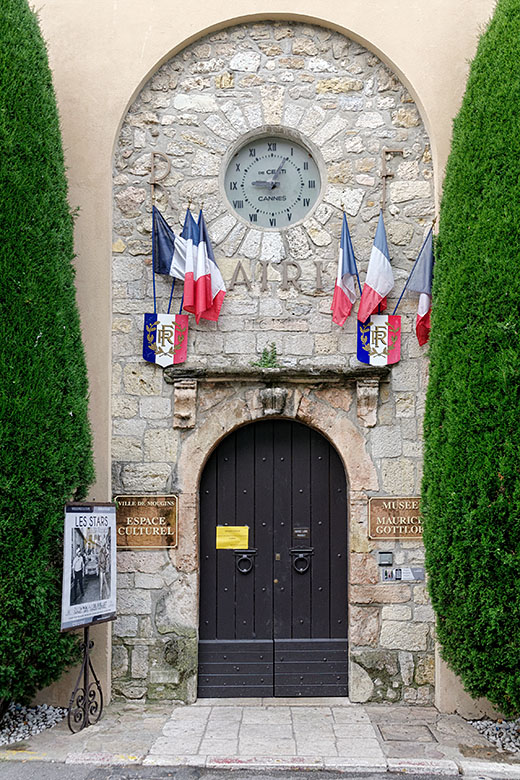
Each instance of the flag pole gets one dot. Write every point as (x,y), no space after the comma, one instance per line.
(171,295)
(413,266)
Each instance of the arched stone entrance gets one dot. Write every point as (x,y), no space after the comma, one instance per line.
(299,79)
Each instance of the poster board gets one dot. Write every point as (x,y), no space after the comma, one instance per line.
(89,565)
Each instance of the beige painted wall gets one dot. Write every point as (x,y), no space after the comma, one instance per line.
(102,51)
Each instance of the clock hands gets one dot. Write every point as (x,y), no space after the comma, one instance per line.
(273,182)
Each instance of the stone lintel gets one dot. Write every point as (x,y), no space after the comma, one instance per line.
(254,374)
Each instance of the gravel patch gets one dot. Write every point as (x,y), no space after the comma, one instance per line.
(504,734)
(22,722)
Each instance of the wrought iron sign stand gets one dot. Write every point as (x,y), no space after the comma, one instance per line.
(86,701)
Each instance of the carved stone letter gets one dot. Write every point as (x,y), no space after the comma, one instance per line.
(239,268)
(185,403)
(319,275)
(367,397)
(286,280)
(264,286)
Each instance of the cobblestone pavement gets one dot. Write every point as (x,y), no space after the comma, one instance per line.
(268,734)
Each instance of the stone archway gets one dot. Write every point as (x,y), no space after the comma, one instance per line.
(296,78)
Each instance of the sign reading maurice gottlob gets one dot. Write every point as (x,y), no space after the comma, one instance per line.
(146,522)
(394,518)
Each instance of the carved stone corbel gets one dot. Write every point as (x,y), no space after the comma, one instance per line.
(185,403)
(367,392)
(273,400)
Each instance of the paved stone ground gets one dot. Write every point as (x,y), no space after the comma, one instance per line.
(267,734)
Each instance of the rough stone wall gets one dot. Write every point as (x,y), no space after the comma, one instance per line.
(347,103)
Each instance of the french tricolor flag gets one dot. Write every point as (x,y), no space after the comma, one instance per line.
(380,279)
(204,287)
(345,290)
(169,250)
(420,281)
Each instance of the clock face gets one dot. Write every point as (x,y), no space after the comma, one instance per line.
(272,182)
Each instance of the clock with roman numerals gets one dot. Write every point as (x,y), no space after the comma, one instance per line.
(272,182)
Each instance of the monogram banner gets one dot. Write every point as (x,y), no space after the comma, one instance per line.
(165,338)
(379,340)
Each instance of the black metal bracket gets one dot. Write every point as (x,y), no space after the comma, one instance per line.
(244,560)
(86,701)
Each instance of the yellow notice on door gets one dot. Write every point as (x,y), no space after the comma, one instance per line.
(232,537)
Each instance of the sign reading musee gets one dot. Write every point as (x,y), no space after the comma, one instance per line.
(394,518)
(146,522)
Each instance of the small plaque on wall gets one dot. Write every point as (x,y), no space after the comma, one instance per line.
(146,522)
(394,518)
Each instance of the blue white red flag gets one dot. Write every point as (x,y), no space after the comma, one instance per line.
(169,250)
(380,279)
(420,281)
(204,287)
(345,290)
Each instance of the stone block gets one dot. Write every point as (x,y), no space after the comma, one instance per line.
(398,475)
(142,379)
(139,665)
(125,625)
(338,85)
(245,62)
(165,676)
(397,612)
(129,201)
(361,686)
(134,602)
(399,635)
(405,117)
(299,344)
(155,407)
(127,448)
(424,613)
(160,445)
(386,441)
(146,477)
(148,581)
(240,343)
(425,670)
(129,427)
(406,666)
(123,406)
(119,660)
(379,594)
(328,131)
(363,569)
(364,626)
(403,191)
(178,608)
(148,561)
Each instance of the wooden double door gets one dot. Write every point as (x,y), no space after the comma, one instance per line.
(273,614)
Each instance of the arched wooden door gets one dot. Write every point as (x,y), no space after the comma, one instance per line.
(273,616)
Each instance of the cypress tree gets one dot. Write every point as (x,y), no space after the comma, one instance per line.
(471,487)
(45,457)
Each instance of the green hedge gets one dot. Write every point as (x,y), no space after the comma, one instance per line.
(471,487)
(45,453)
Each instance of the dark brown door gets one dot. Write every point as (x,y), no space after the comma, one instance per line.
(273,616)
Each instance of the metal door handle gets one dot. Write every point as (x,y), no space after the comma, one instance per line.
(301,558)
(244,560)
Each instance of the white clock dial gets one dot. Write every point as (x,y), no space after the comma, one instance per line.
(272,182)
